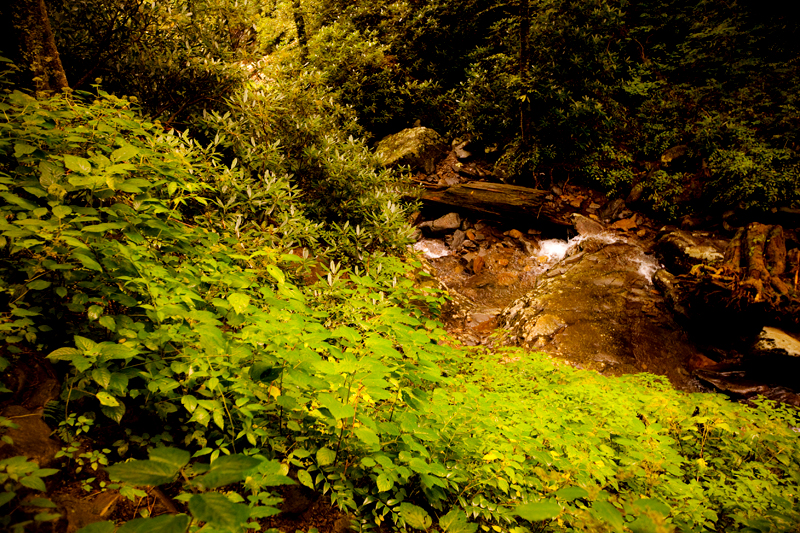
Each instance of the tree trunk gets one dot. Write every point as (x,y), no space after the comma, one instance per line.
(300,24)
(498,201)
(37,48)
(524,66)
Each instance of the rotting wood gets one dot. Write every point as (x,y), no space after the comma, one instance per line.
(497,201)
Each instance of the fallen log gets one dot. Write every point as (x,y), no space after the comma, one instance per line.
(498,201)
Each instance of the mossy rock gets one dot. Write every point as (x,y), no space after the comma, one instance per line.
(419,148)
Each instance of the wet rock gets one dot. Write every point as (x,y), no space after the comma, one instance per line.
(680,251)
(515,234)
(775,342)
(420,148)
(448,222)
(458,239)
(477,264)
(625,224)
(601,312)
(586,226)
(461,151)
(671,288)
(612,210)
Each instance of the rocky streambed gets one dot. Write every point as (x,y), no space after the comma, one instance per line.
(585,279)
(594,299)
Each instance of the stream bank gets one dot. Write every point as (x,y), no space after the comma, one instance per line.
(584,283)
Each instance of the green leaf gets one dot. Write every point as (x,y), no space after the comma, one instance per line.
(88,262)
(143,473)
(264,372)
(227,469)
(60,211)
(16,200)
(605,512)
(385,483)
(46,517)
(369,437)
(571,493)
(418,465)
(114,413)
(33,482)
(21,149)
(218,511)
(39,285)
(456,522)
(305,478)
(173,457)
(84,344)
(645,524)
(6,497)
(537,511)
(239,302)
(124,153)
(414,516)
(63,354)
(41,502)
(99,527)
(107,399)
(94,312)
(102,377)
(162,467)
(108,322)
(325,456)
(102,228)
(346,333)
(337,408)
(166,523)
(77,164)
(653,505)
(276,273)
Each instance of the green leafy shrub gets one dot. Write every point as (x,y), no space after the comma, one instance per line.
(185,55)
(288,126)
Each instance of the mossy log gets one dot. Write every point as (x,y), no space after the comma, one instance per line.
(498,201)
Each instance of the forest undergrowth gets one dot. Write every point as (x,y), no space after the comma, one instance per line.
(130,260)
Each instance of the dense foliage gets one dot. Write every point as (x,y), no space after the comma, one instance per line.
(161,249)
(600,91)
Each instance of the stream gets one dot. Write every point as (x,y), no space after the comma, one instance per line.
(587,298)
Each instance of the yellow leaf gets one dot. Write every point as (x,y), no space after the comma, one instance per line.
(274,391)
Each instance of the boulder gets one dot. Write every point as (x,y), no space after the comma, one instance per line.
(680,251)
(30,438)
(776,342)
(420,148)
(598,309)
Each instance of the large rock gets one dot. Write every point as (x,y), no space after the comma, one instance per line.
(598,309)
(680,250)
(773,341)
(30,438)
(420,148)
